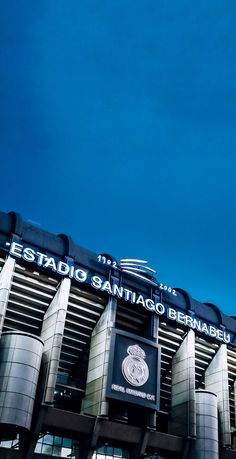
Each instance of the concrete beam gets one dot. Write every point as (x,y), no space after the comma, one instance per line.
(216,381)
(183,399)
(5,285)
(52,335)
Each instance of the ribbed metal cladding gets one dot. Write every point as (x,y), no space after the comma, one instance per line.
(30,295)
(20,359)
(83,312)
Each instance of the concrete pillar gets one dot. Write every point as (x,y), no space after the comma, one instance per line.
(5,284)
(206,444)
(216,380)
(95,402)
(52,335)
(183,410)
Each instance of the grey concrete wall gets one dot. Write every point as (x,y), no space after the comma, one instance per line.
(95,402)
(5,285)
(20,359)
(183,410)
(216,380)
(52,335)
(206,444)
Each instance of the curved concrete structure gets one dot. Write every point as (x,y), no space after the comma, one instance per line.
(20,359)
(206,444)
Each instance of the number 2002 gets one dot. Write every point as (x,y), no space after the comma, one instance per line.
(168,289)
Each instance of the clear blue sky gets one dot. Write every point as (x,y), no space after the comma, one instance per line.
(118,127)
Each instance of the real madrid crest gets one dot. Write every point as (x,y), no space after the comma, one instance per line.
(134,367)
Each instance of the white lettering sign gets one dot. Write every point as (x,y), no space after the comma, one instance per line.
(134,392)
(81,275)
(60,267)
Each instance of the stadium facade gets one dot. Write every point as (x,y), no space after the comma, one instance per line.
(98,359)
